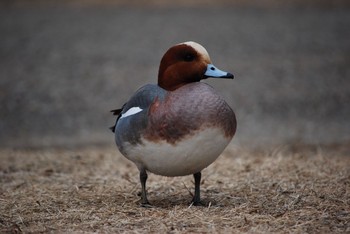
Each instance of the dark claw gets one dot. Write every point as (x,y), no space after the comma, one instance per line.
(197,203)
(146,205)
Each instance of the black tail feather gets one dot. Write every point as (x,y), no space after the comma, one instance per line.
(112,128)
(118,113)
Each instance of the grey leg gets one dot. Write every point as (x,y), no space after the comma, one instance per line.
(143,179)
(197,183)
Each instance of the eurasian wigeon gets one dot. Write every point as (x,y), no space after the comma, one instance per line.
(180,126)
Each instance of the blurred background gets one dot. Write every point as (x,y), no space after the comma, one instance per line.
(65,64)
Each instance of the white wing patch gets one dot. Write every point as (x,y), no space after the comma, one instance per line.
(131,111)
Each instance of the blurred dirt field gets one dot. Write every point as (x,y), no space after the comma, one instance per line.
(64,67)
(300,189)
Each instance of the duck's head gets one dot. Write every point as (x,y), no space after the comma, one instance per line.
(186,63)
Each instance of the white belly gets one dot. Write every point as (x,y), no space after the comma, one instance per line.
(186,157)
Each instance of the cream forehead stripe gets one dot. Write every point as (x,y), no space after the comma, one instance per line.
(200,49)
(131,111)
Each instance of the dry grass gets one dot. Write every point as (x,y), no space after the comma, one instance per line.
(285,189)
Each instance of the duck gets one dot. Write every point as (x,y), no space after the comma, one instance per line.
(180,125)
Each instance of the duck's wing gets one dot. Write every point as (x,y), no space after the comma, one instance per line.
(139,102)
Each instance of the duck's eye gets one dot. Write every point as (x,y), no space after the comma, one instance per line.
(189,57)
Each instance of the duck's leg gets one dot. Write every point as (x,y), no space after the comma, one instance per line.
(196,201)
(143,179)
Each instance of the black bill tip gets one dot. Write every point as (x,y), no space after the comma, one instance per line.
(228,76)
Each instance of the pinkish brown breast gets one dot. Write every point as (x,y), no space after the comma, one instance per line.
(188,110)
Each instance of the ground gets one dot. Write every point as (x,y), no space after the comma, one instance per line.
(297,189)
